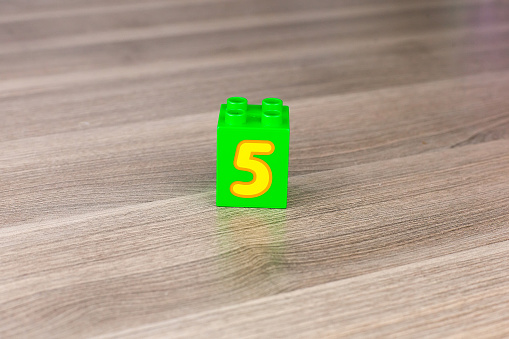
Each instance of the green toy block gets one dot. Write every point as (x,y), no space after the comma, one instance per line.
(252,154)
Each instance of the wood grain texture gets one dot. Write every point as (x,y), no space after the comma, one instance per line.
(398,217)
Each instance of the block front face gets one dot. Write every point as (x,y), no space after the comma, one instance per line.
(252,157)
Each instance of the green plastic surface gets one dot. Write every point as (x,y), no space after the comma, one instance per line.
(238,122)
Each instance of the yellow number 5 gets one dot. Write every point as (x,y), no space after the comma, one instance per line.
(244,161)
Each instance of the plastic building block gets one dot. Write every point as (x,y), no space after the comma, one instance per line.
(252,154)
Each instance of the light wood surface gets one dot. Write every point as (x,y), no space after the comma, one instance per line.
(398,217)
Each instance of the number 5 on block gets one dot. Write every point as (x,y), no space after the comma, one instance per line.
(252,154)
(244,161)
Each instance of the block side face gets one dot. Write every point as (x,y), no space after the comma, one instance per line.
(227,140)
(222,165)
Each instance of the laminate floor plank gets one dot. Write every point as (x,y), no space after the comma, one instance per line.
(239,255)
(448,304)
(157,89)
(96,168)
(89,52)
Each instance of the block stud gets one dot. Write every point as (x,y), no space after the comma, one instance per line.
(236,117)
(272,104)
(272,118)
(235,103)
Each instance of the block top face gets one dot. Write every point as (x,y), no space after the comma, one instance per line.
(237,113)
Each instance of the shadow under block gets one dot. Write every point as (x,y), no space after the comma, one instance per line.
(252,154)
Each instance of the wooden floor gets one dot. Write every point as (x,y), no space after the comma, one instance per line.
(398,211)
